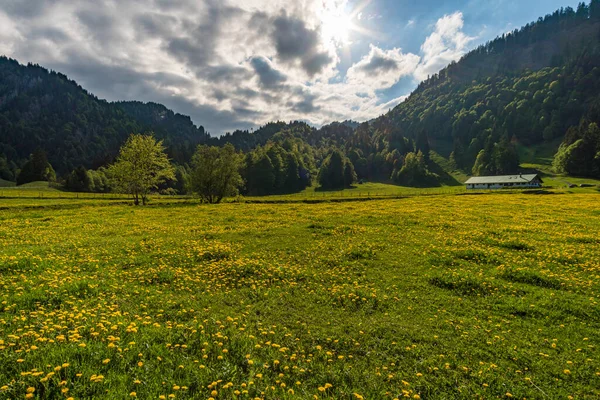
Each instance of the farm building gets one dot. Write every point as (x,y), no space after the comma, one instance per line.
(504,182)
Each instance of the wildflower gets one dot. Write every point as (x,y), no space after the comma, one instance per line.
(133,394)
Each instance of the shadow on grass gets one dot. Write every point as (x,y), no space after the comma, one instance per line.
(329,190)
(445,179)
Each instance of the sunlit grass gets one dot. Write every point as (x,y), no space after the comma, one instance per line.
(435,297)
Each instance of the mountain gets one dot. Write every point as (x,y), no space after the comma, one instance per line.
(536,87)
(335,134)
(44,109)
(529,87)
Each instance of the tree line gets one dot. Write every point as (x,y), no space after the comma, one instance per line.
(539,85)
(142,167)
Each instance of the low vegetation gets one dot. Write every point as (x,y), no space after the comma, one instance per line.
(491,296)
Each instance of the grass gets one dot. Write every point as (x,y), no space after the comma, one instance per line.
(6,184)
(432,297)
(361,191)
(539,157)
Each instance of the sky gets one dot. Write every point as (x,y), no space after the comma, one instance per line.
(238,64)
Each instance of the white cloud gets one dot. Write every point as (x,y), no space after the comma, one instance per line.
(227,63)
(382,69)
(8,33)
(446,44)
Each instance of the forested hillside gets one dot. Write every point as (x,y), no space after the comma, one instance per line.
(529,87)
(44,109)
(537,86)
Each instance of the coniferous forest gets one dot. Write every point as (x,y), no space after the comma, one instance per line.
(536,86)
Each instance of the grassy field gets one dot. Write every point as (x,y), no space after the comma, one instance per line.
(6,184)
(432,297)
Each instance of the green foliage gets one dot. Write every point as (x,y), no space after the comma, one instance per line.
(141,166)
(278,168)
(498,159)
(7,171)
(414,172)
(45,109)
(337,172)
(579,154)
(182,180)
(334,134)
(530,85)
(216,172)
(79,180)
(36,169)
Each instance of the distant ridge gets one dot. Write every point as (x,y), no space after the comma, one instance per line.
(41,108)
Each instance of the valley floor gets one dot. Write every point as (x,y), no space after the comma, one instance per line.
(432,297)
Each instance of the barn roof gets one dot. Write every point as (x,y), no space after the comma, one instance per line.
(478,180)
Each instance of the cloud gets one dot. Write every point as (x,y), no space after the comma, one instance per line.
(446,44)
(227,63)
(295,42)
(382,69)
(269,76)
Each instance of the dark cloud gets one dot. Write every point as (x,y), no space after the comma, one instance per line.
(95,20)
(378,63)
(294,41)
(306,105)
(100,25)
(152,24)
(192,52)
(26,8)
(49,33)
(115,82)
(315,63)
(197,47)
(269,76)
(226,73)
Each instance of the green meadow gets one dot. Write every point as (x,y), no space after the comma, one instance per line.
(451,296)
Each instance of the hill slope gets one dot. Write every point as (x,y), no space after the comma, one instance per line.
(41,108)
(529,86)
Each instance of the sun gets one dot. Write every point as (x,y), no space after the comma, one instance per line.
(336,23)
(340,21)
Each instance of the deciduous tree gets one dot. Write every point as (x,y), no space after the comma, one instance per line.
(142,165)
(216,172)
